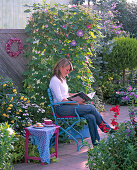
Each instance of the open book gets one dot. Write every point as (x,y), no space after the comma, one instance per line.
(82,95)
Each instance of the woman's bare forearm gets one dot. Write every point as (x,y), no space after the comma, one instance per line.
(72,94)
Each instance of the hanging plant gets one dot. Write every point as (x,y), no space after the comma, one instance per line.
(9,44)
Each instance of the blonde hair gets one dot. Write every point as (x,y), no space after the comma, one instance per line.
(61,63)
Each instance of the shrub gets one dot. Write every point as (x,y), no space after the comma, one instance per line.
(123,56)
(7,138)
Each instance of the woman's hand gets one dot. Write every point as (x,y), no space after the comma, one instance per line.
(81,102)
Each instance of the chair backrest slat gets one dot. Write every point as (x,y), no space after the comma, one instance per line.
(50,96)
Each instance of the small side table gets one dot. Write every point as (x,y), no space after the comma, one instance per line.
(27,157)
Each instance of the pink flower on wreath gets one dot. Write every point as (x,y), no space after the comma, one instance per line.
(8,47)
(79,33)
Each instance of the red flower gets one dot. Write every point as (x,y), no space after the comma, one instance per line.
(102,125)
(115,109)
(116,127)
(104,128)
(115,115)
(133,120)
(114,123)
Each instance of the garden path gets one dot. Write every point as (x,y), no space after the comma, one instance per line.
(69,157)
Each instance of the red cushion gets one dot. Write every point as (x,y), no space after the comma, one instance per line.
(64,116)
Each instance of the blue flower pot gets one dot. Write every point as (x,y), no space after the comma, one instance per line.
(84,132)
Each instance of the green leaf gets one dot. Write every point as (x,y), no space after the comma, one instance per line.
(60,13)
(27,11)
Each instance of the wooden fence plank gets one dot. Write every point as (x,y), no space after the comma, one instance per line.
(10,66)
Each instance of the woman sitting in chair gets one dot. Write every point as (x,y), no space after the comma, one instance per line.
(59,89)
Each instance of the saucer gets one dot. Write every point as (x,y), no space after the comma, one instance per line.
(38,127)
(47,125)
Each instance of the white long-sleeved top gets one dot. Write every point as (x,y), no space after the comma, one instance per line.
(59,89)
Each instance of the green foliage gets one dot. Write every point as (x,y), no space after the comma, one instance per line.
(118,151)
(97,102)
(123,56)
(109,89)
(110,27)
(115,97)
(19,151)
(77,2)
(128,17)
(120,63)
(15,108)
(7,138)
(54,33)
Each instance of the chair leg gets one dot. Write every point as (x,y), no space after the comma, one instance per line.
(69,134)
(78,147)
(71,127)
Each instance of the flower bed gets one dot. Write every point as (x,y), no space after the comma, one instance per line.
(117,151)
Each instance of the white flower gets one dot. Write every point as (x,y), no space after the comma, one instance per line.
(10,131)
(69,6)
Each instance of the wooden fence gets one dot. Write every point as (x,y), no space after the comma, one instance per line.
(12,14)
(12,67)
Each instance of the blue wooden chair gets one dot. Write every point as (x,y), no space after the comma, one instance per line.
(66,120)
